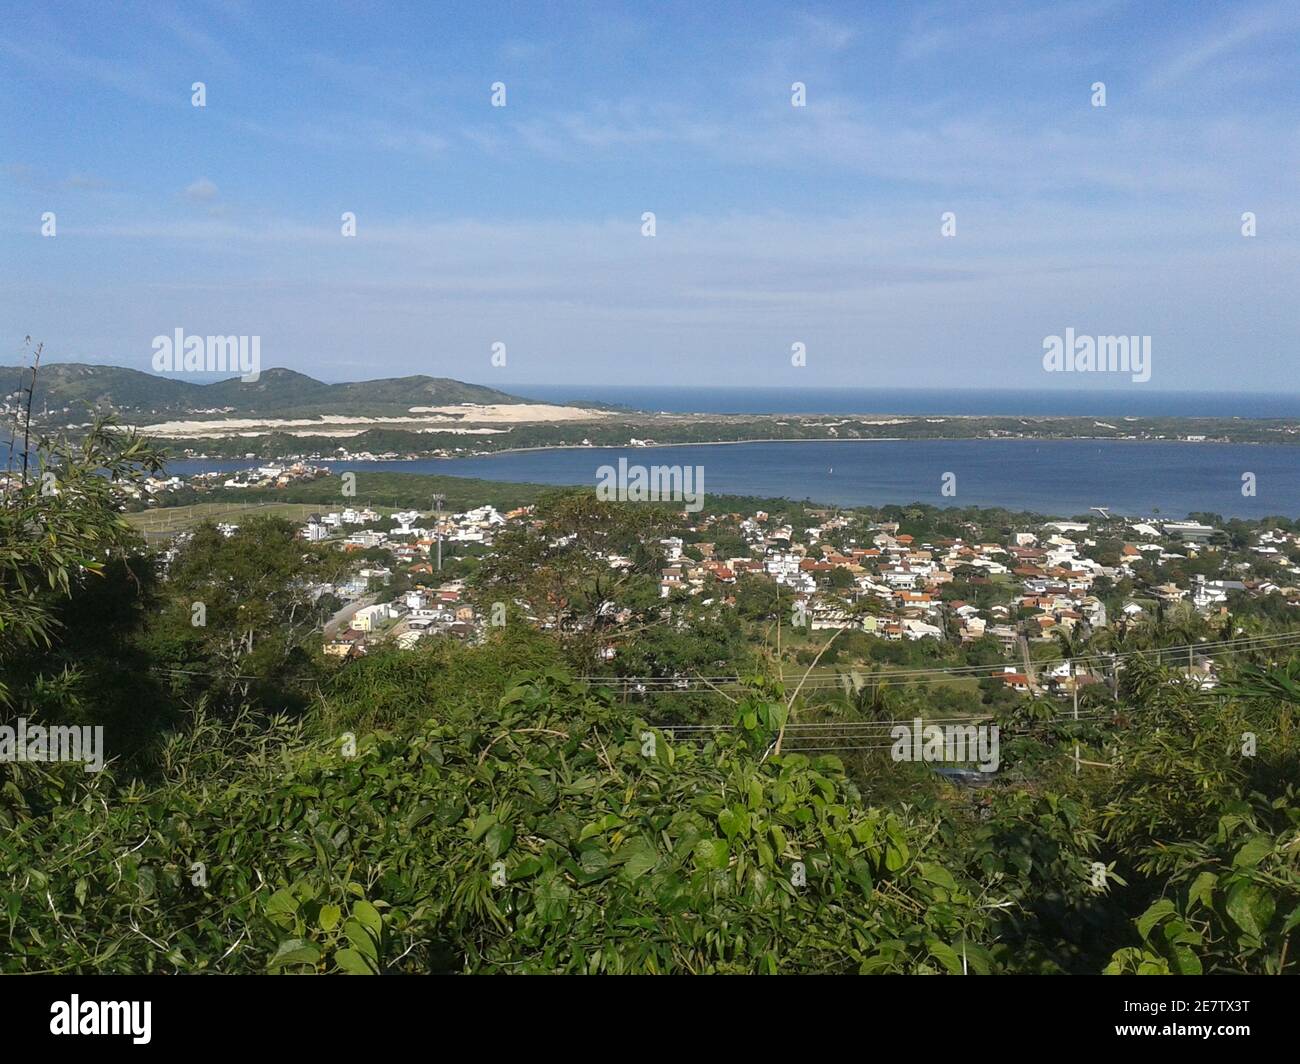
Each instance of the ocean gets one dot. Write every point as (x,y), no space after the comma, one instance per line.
(1131,401)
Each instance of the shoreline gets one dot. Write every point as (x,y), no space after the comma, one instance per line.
(828,439)
(722,443)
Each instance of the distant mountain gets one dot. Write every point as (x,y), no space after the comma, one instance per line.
(69,390)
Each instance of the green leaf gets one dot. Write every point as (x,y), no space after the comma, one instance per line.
(354,963)
(1185,961)
(329,917)
(480,826)
(1161,910)
(421,813)
(543,787)
(1253,852)
(978,959)
(361,938)
(1250,907)
(294,951)
(498,839)
(1201,891)
(945,955)
(527,867)
(862,876)
(641,858)
(937,875)
(551,899)
(712,853)
(732,824)
(368,917)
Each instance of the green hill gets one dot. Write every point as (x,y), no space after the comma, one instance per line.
(68,391)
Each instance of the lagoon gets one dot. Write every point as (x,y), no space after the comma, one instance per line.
(1055,477)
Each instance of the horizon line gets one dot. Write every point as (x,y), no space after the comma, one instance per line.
(1116,389)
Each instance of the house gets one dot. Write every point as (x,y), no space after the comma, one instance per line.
(917,629)
(670,580)
(1006,635)
(348,644)
(1017,681)
(1188,531)
(369,618)
(315,531)
(900,579)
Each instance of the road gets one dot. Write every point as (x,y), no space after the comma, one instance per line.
(340,619)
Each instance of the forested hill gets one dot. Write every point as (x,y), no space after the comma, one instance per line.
(130,393)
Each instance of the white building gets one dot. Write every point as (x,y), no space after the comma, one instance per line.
(368,618)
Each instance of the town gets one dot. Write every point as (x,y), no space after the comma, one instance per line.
(1057,583)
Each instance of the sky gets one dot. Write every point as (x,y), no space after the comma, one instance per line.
(774,224)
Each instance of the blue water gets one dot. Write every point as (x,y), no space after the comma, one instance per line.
(1057,477)
(1120,402)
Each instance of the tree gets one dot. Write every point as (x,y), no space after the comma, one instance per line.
(239,612)
(59,529)
(559,569)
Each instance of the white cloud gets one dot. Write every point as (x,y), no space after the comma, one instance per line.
(201,191)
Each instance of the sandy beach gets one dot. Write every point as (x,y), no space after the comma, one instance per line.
(422,419)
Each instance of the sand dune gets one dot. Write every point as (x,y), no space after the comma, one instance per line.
(445,418)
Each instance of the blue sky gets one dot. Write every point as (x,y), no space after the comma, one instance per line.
(775,224)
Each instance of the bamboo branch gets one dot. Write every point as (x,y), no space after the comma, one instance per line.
(790,705)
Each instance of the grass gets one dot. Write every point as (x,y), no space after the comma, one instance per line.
(401,491)
(168,521)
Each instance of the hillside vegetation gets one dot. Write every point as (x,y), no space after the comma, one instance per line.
(495,808)
(133,394)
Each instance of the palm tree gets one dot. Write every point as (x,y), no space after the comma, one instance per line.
(869,698)
(1251,681)
(1068,641)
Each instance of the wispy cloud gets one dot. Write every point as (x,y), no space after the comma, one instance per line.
(1233,32)
(775,223)
(56,61)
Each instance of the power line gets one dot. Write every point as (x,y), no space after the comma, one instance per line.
(1276,641)
(657,685)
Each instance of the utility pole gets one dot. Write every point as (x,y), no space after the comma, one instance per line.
(437,529)
(1074,687)
(1030,676)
